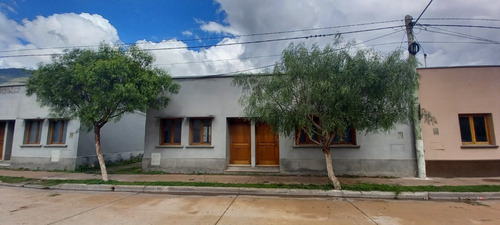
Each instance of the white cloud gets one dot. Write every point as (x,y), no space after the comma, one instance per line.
(184,62)
(259,16)
(187,33)
(58,30)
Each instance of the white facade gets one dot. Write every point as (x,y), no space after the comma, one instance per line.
(75,147)
(373,154)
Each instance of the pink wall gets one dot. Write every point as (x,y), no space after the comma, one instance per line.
(448,92)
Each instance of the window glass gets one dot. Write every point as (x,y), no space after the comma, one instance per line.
(465,129)
(167,131)
(58,131)
(33,131)
(171,131)
(480,129)
(196,131)
(206,131)
(177,131)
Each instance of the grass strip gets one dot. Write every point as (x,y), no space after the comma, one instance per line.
(353,187)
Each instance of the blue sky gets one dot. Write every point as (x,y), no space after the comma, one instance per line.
(135,20)
(32,30)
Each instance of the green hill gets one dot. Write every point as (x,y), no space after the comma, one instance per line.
(14,75)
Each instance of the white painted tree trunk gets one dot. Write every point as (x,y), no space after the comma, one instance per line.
(100,158)
(329,169)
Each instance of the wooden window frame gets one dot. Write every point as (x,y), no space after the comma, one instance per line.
(472,129)
(37,134)
(201,131)
(162,131)
(61,132)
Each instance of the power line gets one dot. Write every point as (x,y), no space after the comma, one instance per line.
(423,12)
(464,19)
(238,43)
(460,25)
(223,36)
(264,56)
(462,35)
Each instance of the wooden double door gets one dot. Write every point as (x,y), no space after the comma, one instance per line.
(266,143)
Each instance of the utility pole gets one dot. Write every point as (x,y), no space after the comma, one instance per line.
(417,129)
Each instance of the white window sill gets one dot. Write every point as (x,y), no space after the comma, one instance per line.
(31,145)
(478,146)
(56,146)
(169,146)
(332,146)
(200,146)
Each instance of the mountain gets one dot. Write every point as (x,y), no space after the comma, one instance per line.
(14,75)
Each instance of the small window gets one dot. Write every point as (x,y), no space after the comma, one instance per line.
(171,131)
(201,132)
(474,129)
(58,131)
(348,139)
(33,131)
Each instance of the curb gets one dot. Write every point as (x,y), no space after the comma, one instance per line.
(304,193)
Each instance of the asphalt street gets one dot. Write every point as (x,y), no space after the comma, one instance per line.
(38,206)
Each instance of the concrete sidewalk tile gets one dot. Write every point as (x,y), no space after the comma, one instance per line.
(413,196)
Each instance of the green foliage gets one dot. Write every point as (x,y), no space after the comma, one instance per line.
(341,87)
(100,85)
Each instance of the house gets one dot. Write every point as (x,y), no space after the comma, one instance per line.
(466,104)
(30,138)
(202,130)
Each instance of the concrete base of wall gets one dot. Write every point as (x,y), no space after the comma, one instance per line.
(39,163)
(113,157)
(356,167)
(186,165)
(463,168)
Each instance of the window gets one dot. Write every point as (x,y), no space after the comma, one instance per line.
(171,131)
(33,131)
(58,131)
(348,139)
(474,129)
(201,131)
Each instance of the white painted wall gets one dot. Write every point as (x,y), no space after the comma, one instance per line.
(375,154)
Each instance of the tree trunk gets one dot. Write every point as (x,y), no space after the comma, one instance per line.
(329,168)
(102,165)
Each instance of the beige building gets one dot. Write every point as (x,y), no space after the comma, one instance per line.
(466,104)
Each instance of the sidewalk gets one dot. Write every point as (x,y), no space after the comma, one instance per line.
(248,179)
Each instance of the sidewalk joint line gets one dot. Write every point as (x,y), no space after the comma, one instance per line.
(227,209)
(361,211)
(91,209)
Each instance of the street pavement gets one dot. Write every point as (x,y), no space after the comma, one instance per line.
(41,206)
(277,179)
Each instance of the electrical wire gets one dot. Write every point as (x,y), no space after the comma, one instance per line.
(223,36)
(423,12)
(237,43)
(465,19)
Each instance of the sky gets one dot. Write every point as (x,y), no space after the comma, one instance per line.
(213,37)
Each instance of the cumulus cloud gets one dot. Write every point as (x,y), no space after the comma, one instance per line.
(58,30)
(294,18)
(260,16)
(178,60)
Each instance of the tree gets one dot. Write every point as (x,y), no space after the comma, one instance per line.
(324,91)
(98,86)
